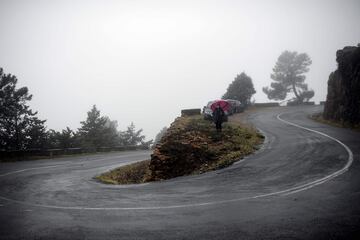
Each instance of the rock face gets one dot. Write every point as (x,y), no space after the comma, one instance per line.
(191,145)
(181,150)
(343,98)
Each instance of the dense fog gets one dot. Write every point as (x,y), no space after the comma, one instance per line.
(144,61)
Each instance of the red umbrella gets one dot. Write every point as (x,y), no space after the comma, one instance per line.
(225,105)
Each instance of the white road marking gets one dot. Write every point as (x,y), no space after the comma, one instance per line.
(28,169)
(328,177)
(288,191)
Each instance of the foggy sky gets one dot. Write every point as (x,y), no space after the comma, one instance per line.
(144,61)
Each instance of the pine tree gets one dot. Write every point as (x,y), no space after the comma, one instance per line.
(20,128)
(111,134)
(288,76)
(133,137)
(67,138)
(92,129)
(240,89)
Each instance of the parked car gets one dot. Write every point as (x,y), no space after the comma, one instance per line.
(207,112)
(236,106)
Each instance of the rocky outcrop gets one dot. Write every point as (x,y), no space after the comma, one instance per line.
(191,145)
(181,150)
(343,98)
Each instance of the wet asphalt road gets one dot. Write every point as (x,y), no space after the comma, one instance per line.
(296,187)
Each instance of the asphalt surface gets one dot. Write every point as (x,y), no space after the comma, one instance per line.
(303,184)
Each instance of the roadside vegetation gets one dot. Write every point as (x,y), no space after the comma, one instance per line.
(319,118)
(190,146)
(130,174)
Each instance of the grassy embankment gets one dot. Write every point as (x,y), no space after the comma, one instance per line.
(319,118)
(190,146)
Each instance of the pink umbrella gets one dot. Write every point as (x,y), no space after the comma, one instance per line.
(225,105)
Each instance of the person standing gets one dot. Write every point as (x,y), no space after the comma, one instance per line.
(218,117)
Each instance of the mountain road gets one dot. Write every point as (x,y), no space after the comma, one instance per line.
(304,183)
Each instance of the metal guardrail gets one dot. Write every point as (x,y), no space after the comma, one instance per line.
(190,112)
(18,154)
(303,103)
(269,104)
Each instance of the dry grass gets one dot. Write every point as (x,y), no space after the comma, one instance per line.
(129,174)
(236,141)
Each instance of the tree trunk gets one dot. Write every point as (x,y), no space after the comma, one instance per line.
(17,138)
(295,91)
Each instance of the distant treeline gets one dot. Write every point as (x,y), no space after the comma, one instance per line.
(22,130)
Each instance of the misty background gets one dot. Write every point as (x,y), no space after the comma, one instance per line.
(144,61)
